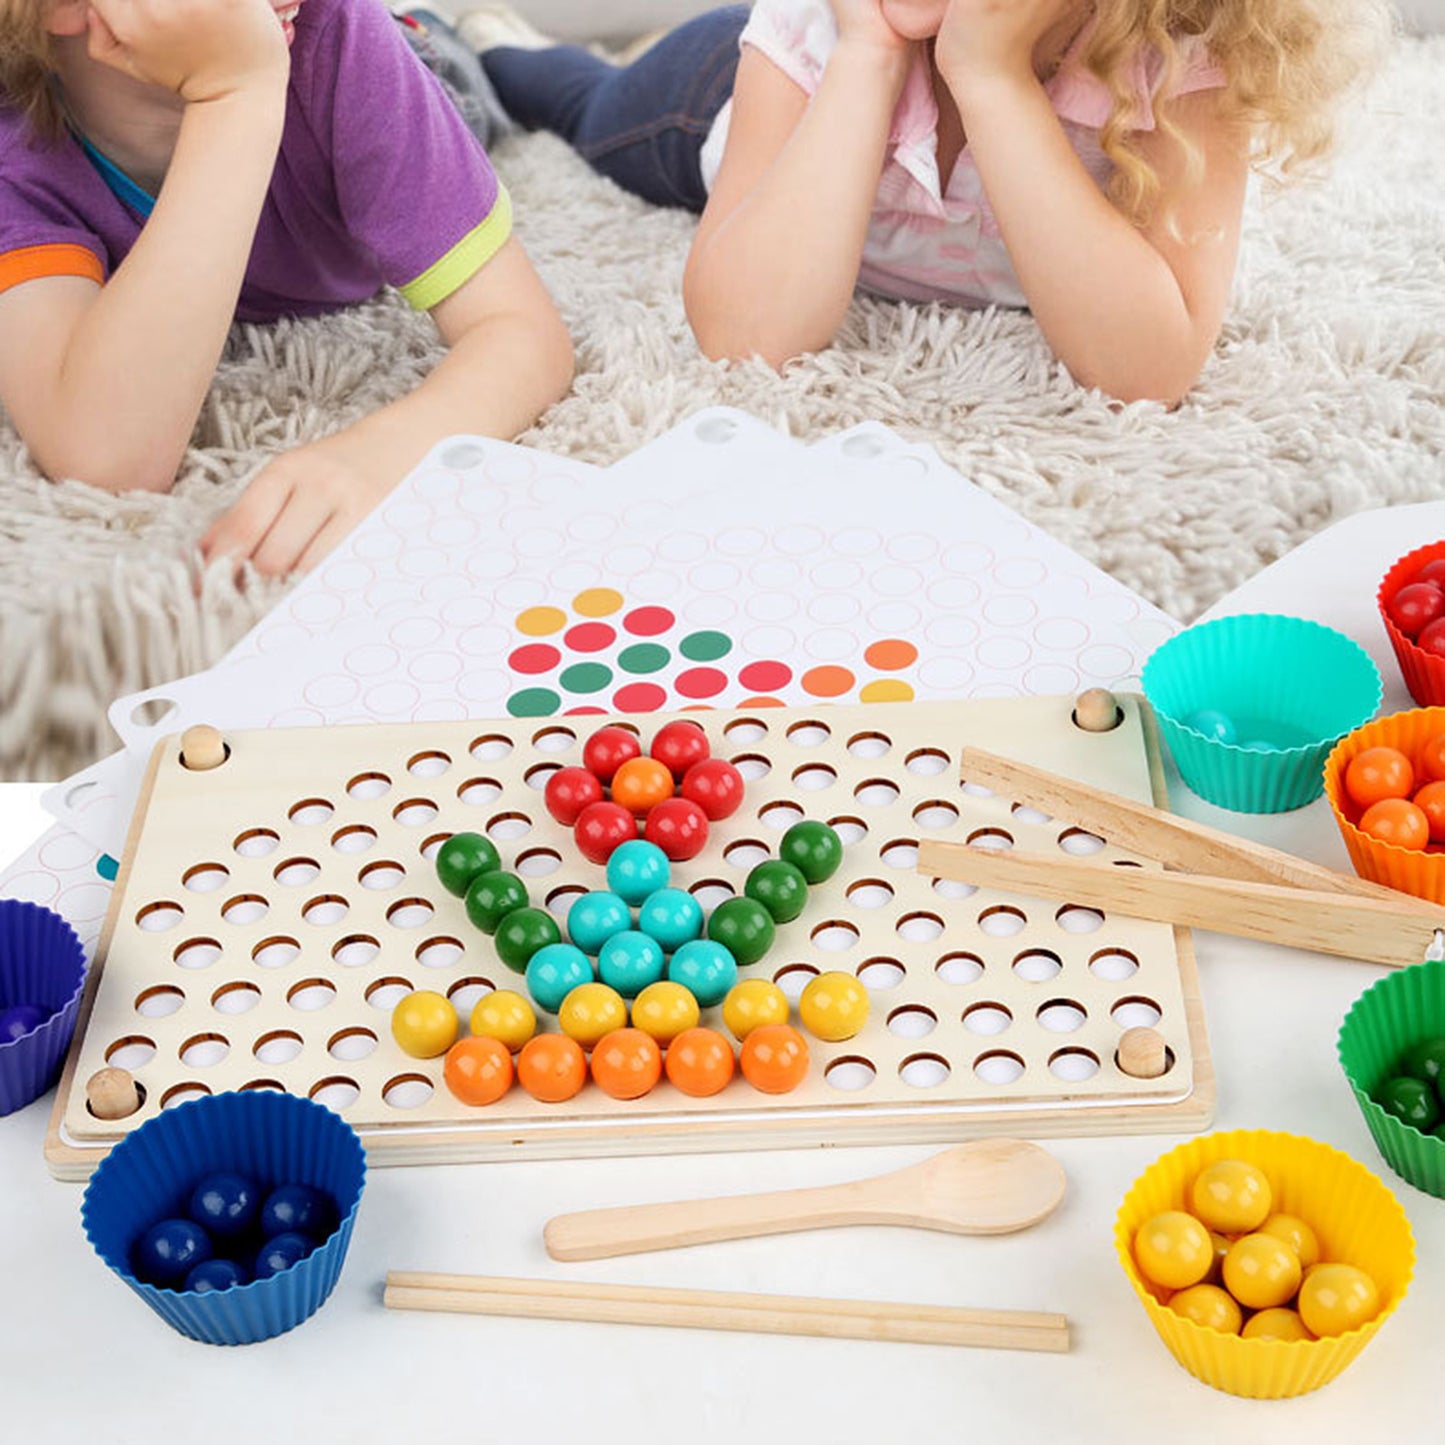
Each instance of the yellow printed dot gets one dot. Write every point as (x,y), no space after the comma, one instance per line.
(887,689)
(541,621)
(597,602)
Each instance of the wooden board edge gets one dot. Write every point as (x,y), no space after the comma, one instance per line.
(62,1158)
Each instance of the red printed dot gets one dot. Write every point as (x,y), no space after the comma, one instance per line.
(534,658)
(648,621)
(586,710)
(590,637)
(765,676)
(639,697)
(701,682)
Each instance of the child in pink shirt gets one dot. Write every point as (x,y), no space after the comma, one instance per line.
(1084,158)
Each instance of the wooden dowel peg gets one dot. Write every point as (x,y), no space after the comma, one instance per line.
(1097,711)
(1143,1053)
(112,1094)
(203,748)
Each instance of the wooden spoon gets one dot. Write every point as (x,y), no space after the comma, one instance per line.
(989,1186)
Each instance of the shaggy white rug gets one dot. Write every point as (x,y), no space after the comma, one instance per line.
(1326,395)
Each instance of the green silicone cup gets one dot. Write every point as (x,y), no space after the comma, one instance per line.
(1390,1016)
(1300,684)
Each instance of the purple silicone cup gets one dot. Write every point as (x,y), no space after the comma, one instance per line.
(272,1137)
(42,962)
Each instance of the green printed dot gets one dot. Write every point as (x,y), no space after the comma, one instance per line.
(533,702)
(643,657)
(586,677)
(706,646)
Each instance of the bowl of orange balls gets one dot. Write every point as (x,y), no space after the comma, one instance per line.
(1411,599)
(1265,1261)
(1386,786)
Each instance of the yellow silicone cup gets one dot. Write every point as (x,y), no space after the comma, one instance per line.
(1358,1222)
(1421,872)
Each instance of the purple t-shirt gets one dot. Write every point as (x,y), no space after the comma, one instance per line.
(378,182)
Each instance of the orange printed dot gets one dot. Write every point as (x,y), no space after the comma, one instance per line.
(762,702)
(827,681)
(891,655)
(541,621)
(887,689)
(597,602)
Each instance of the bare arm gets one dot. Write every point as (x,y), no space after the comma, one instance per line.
(510,357)
(105,383)
(1134,312)
(776,257)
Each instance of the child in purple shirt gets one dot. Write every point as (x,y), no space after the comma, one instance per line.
(167,166)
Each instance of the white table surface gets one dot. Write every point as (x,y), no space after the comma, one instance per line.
(82,1360)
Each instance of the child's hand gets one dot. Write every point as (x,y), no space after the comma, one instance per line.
(295,510)
(201,49)
(997,37)
(861,21)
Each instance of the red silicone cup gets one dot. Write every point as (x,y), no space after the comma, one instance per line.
(1424,672)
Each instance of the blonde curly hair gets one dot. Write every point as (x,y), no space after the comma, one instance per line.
(1288,66)
(26,67)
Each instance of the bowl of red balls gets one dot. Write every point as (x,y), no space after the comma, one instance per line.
(1412,606)
(1386,787)
(1265,1261)
(1392,1049)
(230,1215)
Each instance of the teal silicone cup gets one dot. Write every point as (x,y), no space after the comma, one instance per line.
(1393,1014)
(41,963)
(1309,682)
(271,1137)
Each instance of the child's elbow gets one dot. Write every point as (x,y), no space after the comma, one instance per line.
(106,469)
(1165,380)
(559,360)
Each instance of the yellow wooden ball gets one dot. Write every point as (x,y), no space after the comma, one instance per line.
(590,1012)
(833,1007)
(664,1010)
(506,1016)
(1208,1305)
(1261,1271)
(751,1003)
(425,1024)
(1231,1196)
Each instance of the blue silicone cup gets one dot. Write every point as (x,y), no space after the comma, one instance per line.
(41,963)
(1309,683)
(272,1137)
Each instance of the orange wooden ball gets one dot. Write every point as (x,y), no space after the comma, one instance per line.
(478,1070)
(640,784)
(1397,821)
(774,1058)
(551,1067)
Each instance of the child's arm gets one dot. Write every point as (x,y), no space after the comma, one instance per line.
(105,383)
(510,357)
(1133,312)
(776,257)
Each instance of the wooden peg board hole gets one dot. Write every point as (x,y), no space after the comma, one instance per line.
(271,911)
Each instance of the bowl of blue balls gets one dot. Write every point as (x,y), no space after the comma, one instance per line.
(230,1215)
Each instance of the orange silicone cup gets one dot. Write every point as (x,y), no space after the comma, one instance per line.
(1424,672)
(1419,872)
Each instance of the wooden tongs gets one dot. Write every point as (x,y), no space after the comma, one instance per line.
(1222,883)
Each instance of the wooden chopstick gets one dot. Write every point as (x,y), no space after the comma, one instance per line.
(1173,841)
(1394,930)
(711,1310)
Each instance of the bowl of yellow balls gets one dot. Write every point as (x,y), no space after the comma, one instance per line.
(1265,1261)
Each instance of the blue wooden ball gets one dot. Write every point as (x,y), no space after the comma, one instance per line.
(671,916)
(706,969)
(554,971)
(630,961)
(167,1252)
(636,869)
(225,1204)
(594,918)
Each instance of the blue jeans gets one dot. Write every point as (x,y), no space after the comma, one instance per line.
(642,125)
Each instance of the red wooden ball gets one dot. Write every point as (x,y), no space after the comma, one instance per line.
(606,751)
(678,745)
(569,791)
(601,829)
(715,786)
(679,827)
(1415,606)
(1432,638)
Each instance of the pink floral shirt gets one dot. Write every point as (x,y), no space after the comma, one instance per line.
(927,241)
